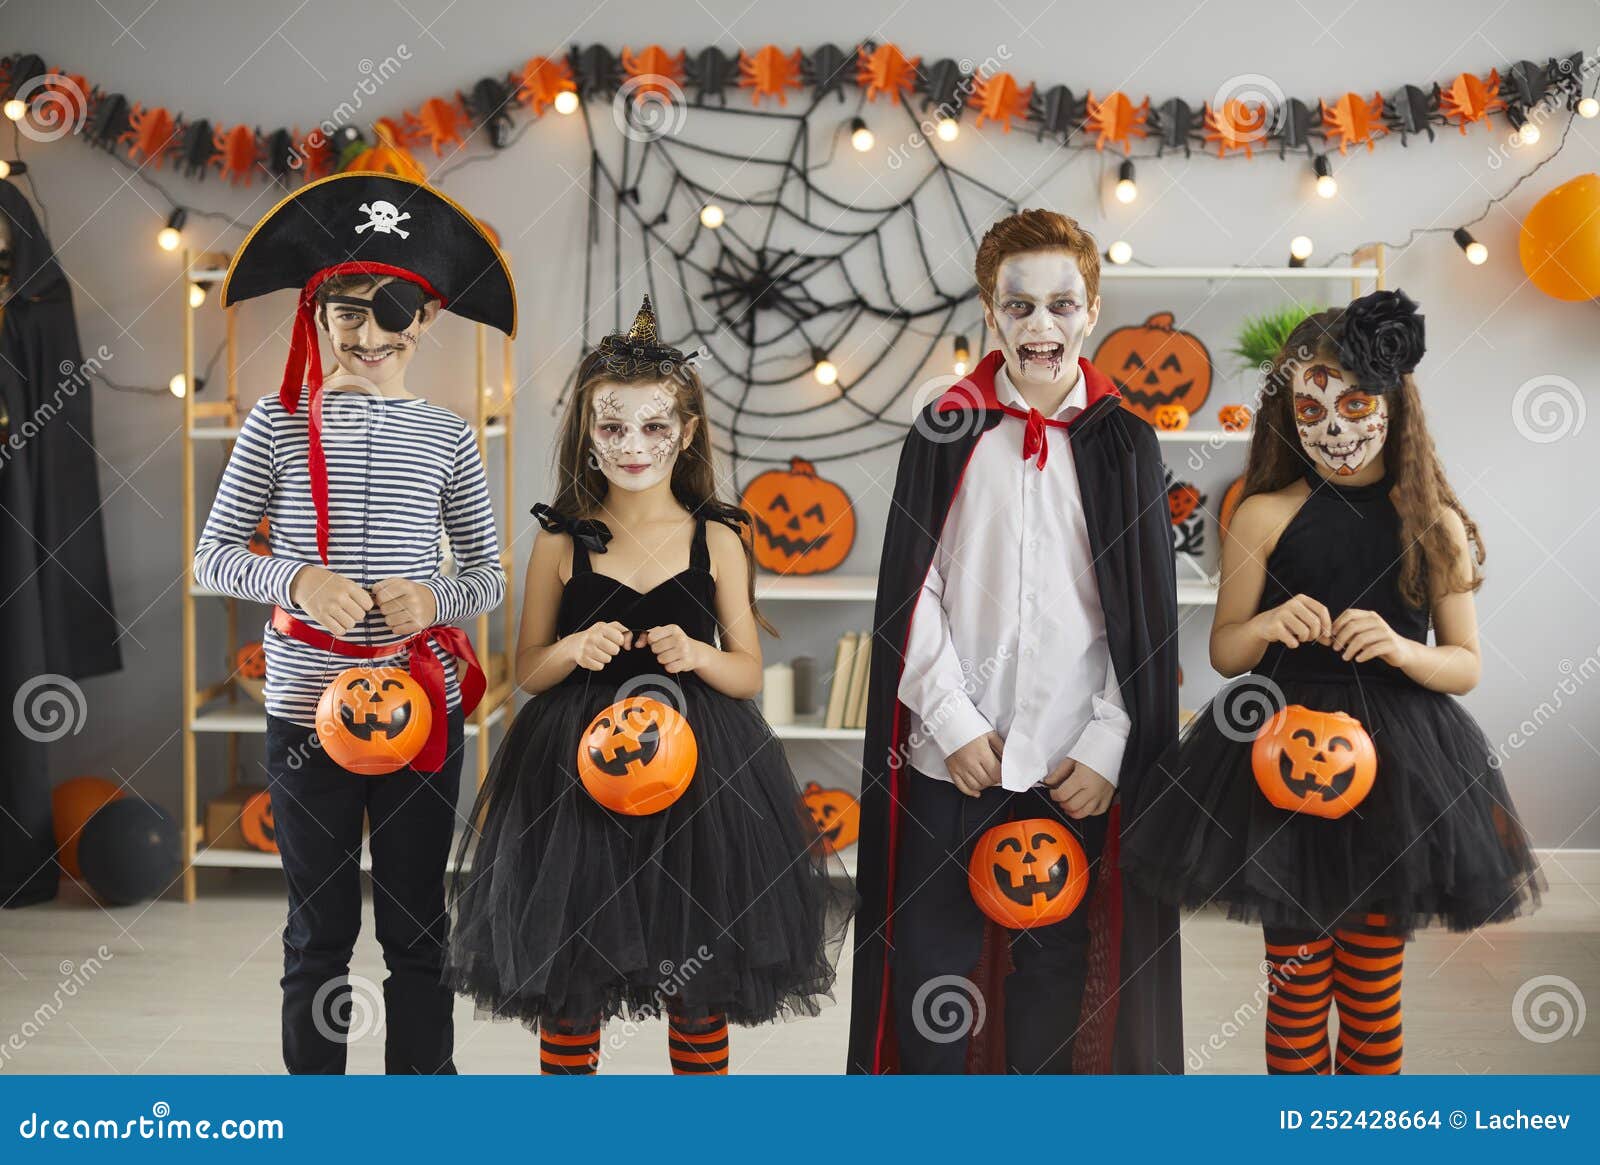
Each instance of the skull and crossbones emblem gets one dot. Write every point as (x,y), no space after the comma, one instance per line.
(384,217)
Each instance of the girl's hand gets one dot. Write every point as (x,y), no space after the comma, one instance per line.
(1300,620)
(595,647)
(675,651)
(1363,635)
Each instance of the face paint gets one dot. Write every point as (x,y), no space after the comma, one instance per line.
(636,433)
(1042,314)
(1341,427)
(374,331)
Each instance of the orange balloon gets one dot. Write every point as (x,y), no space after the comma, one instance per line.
(73,803)
(1560,240)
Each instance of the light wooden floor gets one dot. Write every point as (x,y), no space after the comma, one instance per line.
(194,989)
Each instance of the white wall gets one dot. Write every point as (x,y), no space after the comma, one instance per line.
(1490,331)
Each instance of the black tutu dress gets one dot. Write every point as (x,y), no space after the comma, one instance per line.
(722,903)
(1435,841)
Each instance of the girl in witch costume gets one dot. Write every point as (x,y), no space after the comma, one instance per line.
(1349,544)
(359,477)
(718,908)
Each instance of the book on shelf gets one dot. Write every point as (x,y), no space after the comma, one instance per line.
(844,659)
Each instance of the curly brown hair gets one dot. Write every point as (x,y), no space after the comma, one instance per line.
(581,486)
(1421,492)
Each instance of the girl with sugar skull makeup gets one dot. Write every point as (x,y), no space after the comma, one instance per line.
(717,908)
(1348,547)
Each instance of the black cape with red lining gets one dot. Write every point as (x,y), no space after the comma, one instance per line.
(1132,1010)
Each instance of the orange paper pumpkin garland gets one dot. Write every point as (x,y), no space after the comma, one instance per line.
(803,523)
(1321,763)
(637,756)
(374,720)
(1028,873)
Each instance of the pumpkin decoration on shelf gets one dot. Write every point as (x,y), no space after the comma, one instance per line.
(803,523)
(1185,505)
(374,720)
(1171,418)
(1154,364)
(256,824)
(836,814)
(1231,498)
(1321,763)
(1234,418)
(637,756)
(250,670)
(1028,873)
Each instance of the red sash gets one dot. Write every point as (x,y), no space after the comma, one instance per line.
(426,669)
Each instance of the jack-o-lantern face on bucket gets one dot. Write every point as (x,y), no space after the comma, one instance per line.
(804,524)
(256,823)
(374,720)
(1155,364)
(1321,763)
(1028,873)
(638,756)
(836,814)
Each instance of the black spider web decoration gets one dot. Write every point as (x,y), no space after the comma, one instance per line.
(794,271)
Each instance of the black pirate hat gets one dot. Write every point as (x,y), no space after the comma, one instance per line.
(366,223)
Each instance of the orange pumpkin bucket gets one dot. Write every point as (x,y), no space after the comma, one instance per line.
(638,756)
(1321,763)
(1028,873)
(374,720)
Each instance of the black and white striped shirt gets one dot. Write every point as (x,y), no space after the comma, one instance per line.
(400,470)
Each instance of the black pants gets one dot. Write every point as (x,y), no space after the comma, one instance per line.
(317,810)
(939,929)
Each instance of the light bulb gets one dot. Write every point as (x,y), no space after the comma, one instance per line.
(566,102)
(860,136)
(1588,107)
(1300,248)
(711,216)
(963,354)
(1120,252)
(825,372)
(1475,251)
(1127,189)
(168,239)
(949,128)
(15,109)
(1528,135)
(197,294)
(1327,187)
(177,386)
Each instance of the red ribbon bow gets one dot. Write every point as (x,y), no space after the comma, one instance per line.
(426,668)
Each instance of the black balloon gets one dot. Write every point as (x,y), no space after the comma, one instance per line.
(129,851)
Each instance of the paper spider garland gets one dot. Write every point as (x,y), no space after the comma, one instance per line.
(1470,98)
(769,72)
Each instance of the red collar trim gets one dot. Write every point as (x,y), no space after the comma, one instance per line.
(976,389)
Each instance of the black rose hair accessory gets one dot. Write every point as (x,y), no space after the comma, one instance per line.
(590,533)
(640,347)
(1381,339)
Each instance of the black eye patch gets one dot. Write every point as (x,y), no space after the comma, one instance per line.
(394,305)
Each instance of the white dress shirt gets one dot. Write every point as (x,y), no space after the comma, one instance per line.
(1008,633)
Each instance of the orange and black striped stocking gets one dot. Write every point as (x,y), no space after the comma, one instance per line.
(1368,963)
(569,1049)
(1300,981)
(698,1047)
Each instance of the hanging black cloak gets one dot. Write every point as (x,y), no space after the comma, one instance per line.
(55,589)
(1132,1009)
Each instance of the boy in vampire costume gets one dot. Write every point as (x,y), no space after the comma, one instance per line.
(359,478)
(1024,667)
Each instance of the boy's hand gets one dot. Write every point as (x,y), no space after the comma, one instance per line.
(594,647)
(408,607)
(1079,790)
(675,651)
(976,764)
(334,602)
